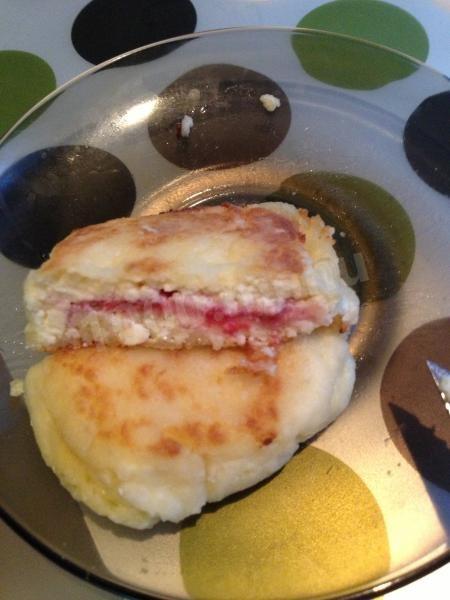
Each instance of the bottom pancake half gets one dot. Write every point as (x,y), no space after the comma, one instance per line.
(142,435)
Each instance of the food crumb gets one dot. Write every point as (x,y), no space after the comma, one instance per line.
(194,95)
(16,388)
(187,123)
(270,102)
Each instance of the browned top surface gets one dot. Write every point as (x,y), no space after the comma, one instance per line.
(158,402)
(209,247)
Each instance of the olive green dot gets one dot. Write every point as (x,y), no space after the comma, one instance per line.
(24,80)
(314,529)
(375,239)
(343,63)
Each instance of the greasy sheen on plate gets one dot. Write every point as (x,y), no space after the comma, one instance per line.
(219,276)
(141,435)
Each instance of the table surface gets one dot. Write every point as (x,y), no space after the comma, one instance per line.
(60,52)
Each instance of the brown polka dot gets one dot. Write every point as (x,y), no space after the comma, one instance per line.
(417,420)
(231,126)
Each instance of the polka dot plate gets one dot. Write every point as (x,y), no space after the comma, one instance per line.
(360,137)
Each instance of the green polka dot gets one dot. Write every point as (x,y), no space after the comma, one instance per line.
(24,80)
(341,63)
(374,236)
(314,529)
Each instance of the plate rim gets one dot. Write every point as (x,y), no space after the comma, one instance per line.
(212,33)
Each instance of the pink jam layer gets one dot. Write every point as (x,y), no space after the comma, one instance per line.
(293,312)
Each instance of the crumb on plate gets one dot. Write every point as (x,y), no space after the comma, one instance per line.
(187,123)
(16,388)
(270,102)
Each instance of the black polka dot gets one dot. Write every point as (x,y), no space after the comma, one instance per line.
(106,28)
(47,194)
(230,124)
(426,140)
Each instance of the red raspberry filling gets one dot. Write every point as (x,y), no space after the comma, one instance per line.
(216,317)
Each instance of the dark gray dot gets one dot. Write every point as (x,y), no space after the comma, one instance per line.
(106,28)
(426,140)
(48,193)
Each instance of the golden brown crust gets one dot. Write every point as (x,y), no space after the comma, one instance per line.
(275,239)
(233,259)
(148,386)
(141,435)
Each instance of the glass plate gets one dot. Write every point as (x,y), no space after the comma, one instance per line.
(359,137)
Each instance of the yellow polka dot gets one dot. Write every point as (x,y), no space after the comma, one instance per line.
(314,529)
